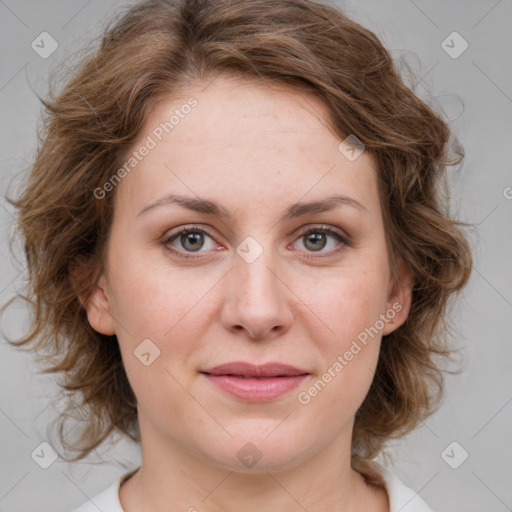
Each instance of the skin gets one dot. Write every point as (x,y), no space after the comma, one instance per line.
(253,150)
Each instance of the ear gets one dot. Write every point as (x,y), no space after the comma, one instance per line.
(95,299)
(99,310)
(399,299)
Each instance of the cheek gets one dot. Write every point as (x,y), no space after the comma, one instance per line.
(151,298)
(347,302)
(171,308)
(344,324)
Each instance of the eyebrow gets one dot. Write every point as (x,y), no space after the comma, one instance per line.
(295,210)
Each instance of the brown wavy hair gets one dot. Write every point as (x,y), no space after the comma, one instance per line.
(156,49)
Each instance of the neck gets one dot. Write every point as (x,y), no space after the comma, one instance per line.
(172,478)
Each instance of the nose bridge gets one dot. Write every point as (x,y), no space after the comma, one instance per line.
(257,282)
(257,298)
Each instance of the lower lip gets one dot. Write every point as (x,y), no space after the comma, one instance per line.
(256,389)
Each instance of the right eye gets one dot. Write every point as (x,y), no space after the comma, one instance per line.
(190,238)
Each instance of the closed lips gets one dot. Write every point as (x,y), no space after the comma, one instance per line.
(248,370)
(255,383)
(252,376)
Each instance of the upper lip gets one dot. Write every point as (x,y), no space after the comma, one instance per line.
(244,369)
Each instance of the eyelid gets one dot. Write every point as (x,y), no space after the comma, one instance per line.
(322,228)
(186,227)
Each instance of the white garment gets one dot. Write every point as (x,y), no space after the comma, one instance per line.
(401,498)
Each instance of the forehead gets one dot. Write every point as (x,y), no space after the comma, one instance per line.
(235,114)
(244,141)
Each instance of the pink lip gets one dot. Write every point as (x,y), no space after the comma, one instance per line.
(255,383)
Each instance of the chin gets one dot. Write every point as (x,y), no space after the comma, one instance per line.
(258,452)
(271,463)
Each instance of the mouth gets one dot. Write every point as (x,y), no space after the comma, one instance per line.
(255,383)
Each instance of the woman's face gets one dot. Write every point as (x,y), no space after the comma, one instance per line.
(247,284)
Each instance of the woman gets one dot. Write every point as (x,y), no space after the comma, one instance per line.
(239,256)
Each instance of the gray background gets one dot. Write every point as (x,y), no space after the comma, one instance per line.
(474,91)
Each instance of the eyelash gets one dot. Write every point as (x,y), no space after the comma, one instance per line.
(168,238)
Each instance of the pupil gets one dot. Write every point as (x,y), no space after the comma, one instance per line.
(192,237)
(319,237)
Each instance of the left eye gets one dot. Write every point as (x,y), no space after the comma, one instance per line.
(316,239)
(192,239)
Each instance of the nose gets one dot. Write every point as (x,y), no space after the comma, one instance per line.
(257,300)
